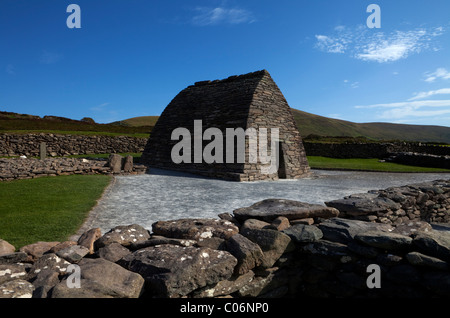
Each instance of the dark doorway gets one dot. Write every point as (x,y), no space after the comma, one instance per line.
(281,163)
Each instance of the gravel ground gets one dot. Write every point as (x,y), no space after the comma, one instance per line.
(167,195)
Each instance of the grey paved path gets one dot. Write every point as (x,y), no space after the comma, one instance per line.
(165,195)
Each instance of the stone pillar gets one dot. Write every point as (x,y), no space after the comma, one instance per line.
(43,150)
(128,164)
(115,163)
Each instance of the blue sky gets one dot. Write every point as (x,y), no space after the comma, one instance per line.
(131,57)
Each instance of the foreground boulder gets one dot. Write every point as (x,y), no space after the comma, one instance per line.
(364,204)
(196,229)
(6,248)
(101,278)
(124,235)
(16,289)
(36,250)
(270,209)
(167,267)
(345,230)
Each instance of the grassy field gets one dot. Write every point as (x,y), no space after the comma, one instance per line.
(47,209)
(365,165)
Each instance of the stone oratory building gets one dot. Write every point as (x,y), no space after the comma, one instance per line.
(250,102)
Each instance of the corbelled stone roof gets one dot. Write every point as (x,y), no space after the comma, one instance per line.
(243,101)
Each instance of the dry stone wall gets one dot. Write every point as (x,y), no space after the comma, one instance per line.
(18,168)
(272,249)
(398,205)
(64,145)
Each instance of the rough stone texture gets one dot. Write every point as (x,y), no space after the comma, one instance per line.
(159,240)
(124,235)
(49,261)
(434,244)
(12,271)
(113,252)
(73,254)
(226,287)
(345,230)
(428,201)
(128,164)
(269,209)
(247,101)
(88,238)
(36,250)
(272,243)
(65,145)
(102,279)
(195,229)
(18,168)
(363,204)
(371,150)
(16,289)
(165,268)
(115,163)
(44,281)
(6,248)
(301,233)
(421,160)
(248,254)
(383,240)
(12,258)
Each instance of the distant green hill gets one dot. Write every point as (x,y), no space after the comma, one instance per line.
(310,124)
(138,121)
(323,126)
(23,123)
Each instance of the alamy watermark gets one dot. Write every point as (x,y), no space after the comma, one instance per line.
(374,20)
(74,279)
(256,141)
(74,19)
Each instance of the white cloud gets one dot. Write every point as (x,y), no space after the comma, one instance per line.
(378,47)
(351,84)
(403,111)
(413,104)
(420,95)
(330,45)
(221,15)
(440,73)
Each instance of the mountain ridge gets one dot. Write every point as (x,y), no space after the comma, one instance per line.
(311,124)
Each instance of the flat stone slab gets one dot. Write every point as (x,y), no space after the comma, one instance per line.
(269,209)
(434,243)
(301,233)
(344,230)
(363,204)
(384,240)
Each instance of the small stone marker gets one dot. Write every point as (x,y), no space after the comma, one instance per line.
(43,150)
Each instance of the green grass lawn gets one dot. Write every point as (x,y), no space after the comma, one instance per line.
(47,209)
(316,162)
